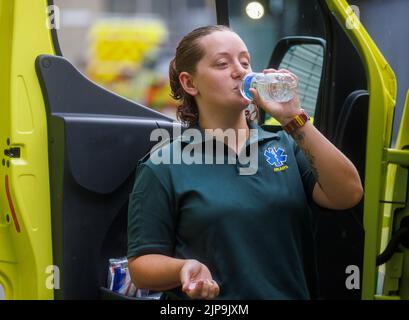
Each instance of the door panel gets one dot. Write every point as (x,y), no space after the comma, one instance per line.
(95,141)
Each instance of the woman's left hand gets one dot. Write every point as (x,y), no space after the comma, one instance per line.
(284,112)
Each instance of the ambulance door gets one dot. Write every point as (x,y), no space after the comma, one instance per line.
(25,224)
(69,153)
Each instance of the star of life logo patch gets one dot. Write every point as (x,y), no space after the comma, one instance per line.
(276,158)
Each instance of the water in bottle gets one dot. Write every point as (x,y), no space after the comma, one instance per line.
(279,87)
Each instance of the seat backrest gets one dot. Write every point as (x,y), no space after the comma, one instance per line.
(351,129)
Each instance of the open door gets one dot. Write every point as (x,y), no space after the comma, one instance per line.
(70,149)
(25,219)
(349,89)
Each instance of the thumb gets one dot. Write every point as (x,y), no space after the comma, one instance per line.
(186,274)
(256,96)
(185,279)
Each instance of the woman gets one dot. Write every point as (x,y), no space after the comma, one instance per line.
(205,231)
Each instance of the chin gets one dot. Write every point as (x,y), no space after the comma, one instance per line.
(244,103)
(236,103)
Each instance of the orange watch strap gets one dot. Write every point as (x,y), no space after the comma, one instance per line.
(298,121)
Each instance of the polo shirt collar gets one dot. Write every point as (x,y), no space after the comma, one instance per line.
(260,136)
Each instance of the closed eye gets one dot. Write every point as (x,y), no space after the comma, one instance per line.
(221,64)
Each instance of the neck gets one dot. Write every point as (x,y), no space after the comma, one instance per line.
(223,121)
(227,121)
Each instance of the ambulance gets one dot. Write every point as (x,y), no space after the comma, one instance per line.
(70,148)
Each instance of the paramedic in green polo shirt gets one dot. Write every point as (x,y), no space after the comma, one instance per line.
(211,229)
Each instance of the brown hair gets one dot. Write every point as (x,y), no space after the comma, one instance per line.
(188,54)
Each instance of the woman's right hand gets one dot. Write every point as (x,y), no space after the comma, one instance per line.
(197,281)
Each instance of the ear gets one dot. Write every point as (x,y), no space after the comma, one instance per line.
(186,80)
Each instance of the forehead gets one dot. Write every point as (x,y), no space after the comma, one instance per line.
(222,41)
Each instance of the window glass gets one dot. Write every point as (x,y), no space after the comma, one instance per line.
(261,24)
(126,45)
(306,62)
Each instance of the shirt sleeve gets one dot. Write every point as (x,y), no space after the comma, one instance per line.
(304,167)
(151,219)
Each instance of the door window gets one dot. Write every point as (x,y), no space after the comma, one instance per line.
(306,62)
(262,26)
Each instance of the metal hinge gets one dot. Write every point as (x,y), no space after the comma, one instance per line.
(400,157)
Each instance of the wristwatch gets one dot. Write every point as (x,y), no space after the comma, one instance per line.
(298,121)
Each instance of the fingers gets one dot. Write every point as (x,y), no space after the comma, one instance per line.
(185,283)
(187,286)
(214,290)
(194,289)
(256,97)
(271,70)
(203,289)
(292,75)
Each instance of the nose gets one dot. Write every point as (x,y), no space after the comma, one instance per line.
(239,72)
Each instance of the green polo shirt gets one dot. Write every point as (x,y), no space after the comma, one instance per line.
(254,232)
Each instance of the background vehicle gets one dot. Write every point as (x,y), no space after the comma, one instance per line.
(70,148)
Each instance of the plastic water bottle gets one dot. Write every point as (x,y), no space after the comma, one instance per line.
(279,87)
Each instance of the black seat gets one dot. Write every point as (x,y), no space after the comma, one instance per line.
(351,130)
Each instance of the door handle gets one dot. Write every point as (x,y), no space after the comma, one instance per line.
(12,152)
